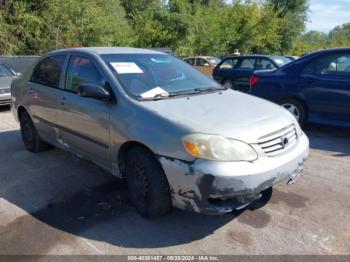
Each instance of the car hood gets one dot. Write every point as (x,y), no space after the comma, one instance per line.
(5,82)
(229,113)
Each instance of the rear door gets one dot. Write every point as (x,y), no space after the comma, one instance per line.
(225,70)
(326,85)
(43,91)
(243,73)
(84,121)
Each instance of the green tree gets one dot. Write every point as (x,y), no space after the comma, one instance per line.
(86,23)
(293,15)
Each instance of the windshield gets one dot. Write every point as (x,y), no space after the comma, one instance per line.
(4,71)
(280,61)
(214,60)
(152,75)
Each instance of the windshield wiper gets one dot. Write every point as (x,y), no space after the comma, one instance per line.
(199,90)
(179,93)
(157,96)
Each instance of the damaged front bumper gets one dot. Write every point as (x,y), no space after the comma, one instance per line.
(219,187)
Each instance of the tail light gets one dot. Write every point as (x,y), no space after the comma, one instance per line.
(253,80)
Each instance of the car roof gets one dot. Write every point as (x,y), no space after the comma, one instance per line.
(108,50)
(329,50)
(200,56)
(255,56)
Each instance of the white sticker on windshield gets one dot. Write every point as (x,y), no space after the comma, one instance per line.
(153,92)
(126,68)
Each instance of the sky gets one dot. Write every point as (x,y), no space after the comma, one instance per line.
(324,15)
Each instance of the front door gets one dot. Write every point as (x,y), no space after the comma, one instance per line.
(84,121)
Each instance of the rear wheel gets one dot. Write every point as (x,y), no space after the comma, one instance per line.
(148,186)
(296,108)
(30,135)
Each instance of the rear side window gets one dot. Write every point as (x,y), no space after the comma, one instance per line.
(82,71)
(263,63)
(48,71)
(309,69)
(247,63)
(190,61)
(229,63)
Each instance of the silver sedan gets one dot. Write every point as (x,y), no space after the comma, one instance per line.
(6,77)
(177,137)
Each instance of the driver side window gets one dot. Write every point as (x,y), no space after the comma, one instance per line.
(82,71)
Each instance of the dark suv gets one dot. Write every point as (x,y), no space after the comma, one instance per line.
(235,72)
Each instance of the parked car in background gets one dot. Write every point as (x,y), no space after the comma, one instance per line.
(292,58)
(178,137)
(6,77)
(315,88)
(205,64)
(235,72)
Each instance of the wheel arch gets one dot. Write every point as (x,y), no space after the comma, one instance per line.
(20,110)
(122,152)
(291,96)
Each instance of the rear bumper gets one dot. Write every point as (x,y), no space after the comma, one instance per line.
(219,187)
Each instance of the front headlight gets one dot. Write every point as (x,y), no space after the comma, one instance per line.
(219,148)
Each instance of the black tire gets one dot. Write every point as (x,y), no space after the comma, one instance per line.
(30,135)
(148,186)
(228,84)
(301,108)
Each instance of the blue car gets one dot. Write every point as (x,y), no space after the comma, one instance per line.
(235,72)
(315,88)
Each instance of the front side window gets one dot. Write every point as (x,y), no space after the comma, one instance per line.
(82,71)
(148,75)
(201,62)
(229,63)
(337,64)
(48,71)
(247,63)
(4,71)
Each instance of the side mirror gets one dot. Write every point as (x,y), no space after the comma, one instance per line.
(18,74)
(206,64)
(93,91)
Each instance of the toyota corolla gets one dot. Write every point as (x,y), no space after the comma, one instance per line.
(179,138)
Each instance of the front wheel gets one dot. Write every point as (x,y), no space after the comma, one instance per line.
(296,108)
(148,186)
(30,135)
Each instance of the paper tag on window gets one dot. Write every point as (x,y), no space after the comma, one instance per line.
(126,68)
(153,92)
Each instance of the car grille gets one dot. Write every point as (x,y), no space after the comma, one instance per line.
(5,91)
(280,141)
(5,102)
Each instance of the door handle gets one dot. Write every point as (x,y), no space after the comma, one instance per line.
(63,101)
